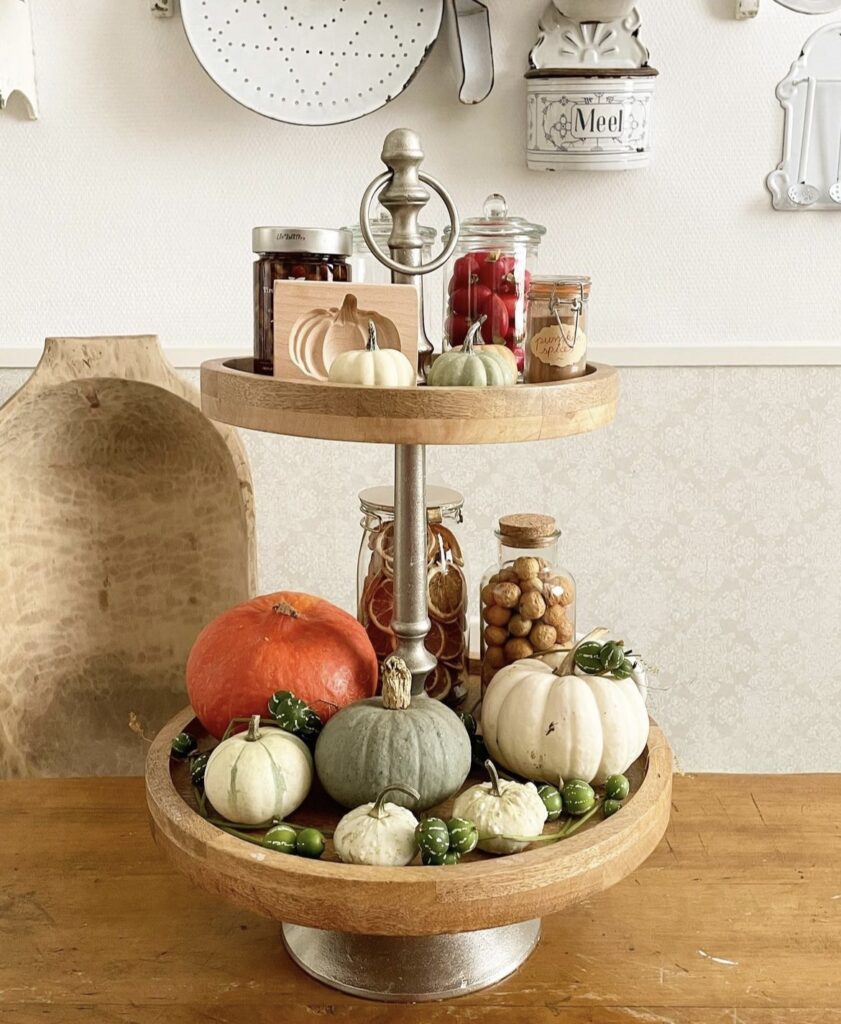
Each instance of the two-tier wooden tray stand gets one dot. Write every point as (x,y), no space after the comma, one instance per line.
(411,933)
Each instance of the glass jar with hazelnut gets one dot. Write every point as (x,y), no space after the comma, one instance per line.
(527,600)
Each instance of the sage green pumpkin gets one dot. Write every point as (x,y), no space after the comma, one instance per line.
(415,741)
(473,366)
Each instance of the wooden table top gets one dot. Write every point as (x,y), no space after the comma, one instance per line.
(736,919)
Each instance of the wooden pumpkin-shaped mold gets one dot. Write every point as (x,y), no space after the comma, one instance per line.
(321,335)
(126,524)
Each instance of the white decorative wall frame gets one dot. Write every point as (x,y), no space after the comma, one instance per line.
(566,42)
(809,175)
(17,55)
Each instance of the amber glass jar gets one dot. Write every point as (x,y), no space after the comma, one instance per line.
(446,585)
(556,329)
(291,254)
(527,599)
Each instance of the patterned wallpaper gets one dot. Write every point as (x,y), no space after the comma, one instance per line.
(704,526)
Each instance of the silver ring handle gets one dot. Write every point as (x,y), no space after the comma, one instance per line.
(372,191)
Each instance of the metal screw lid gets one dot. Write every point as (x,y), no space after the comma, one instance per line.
(321,241)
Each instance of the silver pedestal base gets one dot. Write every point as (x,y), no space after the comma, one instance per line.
(409,969)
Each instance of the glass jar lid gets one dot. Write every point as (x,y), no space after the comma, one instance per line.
(496,226)
(322,241)
(438,499)
(381,229)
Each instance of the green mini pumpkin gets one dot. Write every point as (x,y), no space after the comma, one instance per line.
(479,367)
(374,743)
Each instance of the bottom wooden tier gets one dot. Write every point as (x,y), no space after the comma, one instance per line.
(480,893)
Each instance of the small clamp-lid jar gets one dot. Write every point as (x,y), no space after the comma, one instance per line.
(557,329)
(291,254)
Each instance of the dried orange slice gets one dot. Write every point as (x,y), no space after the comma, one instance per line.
(436,639)
(447,592)
(384,643)
(380,604)
(449,542)
(439,683)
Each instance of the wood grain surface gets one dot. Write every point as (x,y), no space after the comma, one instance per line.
(735,919)
(484,892)
(423,415)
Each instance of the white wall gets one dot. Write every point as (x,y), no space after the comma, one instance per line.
(703,525)
(128,206)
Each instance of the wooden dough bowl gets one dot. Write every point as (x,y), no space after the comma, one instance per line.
(231,393)
(481,892)
(126,524)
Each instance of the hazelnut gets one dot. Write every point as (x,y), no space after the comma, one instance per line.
(532,606)
(555,616)
(532,584)
(542,637)
(487,594)
(495,636)
(559,590)
(495,657)
(496,616)
(518,626)
(506,576)
(517,649)
(526,567)
(507,595)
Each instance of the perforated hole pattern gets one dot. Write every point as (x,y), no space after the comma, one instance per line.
(312,61)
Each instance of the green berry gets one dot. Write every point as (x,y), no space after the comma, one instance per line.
(579,797)
(617,787)
(433,837)
(611,807)
(611,656)
(464,836)
(552,801)
(625,670)
(309,843)
(468,721)
(294,715)
(183,744)
(588,657)
(197,767)
(282,838)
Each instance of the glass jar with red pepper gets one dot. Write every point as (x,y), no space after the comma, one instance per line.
(489,275)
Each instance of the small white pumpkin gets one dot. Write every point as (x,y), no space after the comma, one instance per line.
(378,833)
(501,807)
(373,366)
(550,722)
(258,775)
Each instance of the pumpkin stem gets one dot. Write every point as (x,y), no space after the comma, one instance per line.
(490,768)
(397,684)
(372,345)
(472,334)
(377,810)
(285,608)
(253,729)
(348,311)
(567,666)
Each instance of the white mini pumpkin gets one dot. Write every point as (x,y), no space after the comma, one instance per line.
(546,720)
(258,775)
(373,366)
(378,833)
(502,807)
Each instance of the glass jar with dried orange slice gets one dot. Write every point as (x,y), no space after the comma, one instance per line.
(527,599)
(446,585)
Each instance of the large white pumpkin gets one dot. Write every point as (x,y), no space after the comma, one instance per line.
(543,723)
(258,775)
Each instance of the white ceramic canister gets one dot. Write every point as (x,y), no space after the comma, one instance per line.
(590,120)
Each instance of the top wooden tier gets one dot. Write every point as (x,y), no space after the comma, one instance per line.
(344,412)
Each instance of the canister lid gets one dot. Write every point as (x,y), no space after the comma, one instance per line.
(526,526)
(381,499)
(381,230)
(326,241)
(495,226)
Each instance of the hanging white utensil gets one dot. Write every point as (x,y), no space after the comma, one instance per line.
(802,193)
(811,6)
(312,62)
(835,189)
(17,55)
(471,50)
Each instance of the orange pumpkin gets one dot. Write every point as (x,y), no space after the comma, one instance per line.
(283,641)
